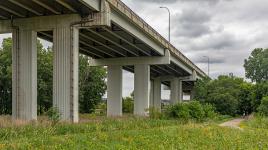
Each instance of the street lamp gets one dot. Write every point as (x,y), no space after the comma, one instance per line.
(208,63)
(168,21)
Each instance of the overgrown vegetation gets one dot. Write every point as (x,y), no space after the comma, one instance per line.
(192,110)
(231,95)
(131,133)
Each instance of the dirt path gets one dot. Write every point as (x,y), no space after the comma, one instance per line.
(233,123)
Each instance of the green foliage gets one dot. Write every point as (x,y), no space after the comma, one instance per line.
(53,115)
(91,84)
(258,121)
(134,133)
(128,105)
(155,113)
(229,95)
(209,111)
(101,109)
(196,110)
(245,99)
(225,103)
(44,78)
(256,66)
(260,90)
(5,77)
(263,108)
(191,110)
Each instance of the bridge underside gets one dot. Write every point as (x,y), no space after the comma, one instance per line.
(100,30)
(103,42)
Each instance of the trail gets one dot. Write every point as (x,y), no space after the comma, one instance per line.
(233,123)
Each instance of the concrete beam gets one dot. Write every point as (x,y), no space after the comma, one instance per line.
(126,61)
(181,64)
(42,23)
(93,4)
(24,75)
(65,72)
(136,31)
(114,91)
(141,89)
(176,91)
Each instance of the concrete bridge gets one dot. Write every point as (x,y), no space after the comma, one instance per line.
(106,30)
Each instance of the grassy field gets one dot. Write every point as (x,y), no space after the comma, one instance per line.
(130,133)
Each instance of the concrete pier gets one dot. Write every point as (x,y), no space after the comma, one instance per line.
(141,89)
(114,91)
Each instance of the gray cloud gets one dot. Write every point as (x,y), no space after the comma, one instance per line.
(191,23)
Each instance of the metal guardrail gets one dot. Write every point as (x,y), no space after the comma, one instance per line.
(123,8)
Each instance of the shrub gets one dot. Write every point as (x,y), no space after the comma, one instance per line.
(209,111)
(263,108)
(155,113)
(128,105)
(53,115)
(101,109)
(196,110)
(180,111)
(225,104)
(192,110)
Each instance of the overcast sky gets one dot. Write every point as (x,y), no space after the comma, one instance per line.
(225,30)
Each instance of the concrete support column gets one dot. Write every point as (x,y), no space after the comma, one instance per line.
(24,75)
(176,91)
(66,72)
(157,93)
(114,91)
(141,89)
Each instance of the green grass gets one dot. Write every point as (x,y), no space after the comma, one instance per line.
(131,133)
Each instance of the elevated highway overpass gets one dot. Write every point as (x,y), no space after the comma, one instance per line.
(106,30)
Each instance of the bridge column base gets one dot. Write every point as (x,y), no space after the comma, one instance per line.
(176,91)
(24,75)
(141,89)
(114,91)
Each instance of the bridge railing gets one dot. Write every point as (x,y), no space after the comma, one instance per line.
(118,4)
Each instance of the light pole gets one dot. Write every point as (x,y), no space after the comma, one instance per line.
(208,63)
(168,22)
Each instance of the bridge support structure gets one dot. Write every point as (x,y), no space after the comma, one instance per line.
(114,91)
(24,77)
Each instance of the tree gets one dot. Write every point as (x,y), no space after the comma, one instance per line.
(245,105)
(260,90)
(44,78)
(263,108)
(226,93)
(5,77)
(91,84)
(256,66)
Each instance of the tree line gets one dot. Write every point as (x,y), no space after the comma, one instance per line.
(92,84)
(234,96)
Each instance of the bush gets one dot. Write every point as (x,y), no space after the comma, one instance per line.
(263,108)
(196,110)
(53,115)
(225,104)
(192,110)
(128,105)
(209,111)
(180,111)
(155,113)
